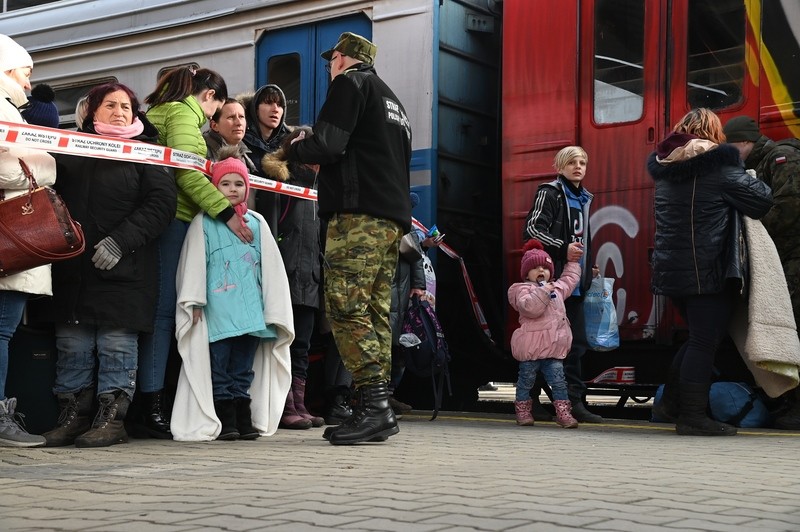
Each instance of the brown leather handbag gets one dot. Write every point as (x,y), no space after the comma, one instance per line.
(36,229)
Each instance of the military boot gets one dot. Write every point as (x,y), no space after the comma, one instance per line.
(372,420)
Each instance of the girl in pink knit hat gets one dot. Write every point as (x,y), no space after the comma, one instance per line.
(544,337)
(233,323)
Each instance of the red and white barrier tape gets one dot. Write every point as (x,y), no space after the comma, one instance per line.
(102,147)
(476,306)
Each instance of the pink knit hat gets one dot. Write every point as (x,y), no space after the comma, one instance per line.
(535,256)
(232,165)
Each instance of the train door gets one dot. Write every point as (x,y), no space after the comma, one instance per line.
(643,65)
(290,59)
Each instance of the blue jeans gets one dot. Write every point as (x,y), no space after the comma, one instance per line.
(154,347)
(12,304)
(117,356)
(553,372)
(232,366)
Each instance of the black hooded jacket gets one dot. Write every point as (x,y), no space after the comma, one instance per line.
(697,205)
(362,140)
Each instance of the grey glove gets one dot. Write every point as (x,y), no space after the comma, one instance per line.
(107,255)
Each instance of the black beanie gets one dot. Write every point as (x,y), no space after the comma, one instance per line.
(741,128)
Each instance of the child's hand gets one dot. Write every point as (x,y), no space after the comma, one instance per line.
(574,252)
(197,315)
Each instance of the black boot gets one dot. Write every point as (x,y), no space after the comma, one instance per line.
(152,421)
(693,419)
(373,419)
(669,407)
(790,420)
(74,418)
(244,420)
(226,413)
(337,408)
(579,410)
(108,427)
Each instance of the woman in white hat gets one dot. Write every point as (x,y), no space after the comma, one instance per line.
(16,66)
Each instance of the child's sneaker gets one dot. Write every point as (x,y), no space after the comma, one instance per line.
(523,411)
(12,431)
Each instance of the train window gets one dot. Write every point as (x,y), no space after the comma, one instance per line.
(284,71)
(67,97)
(618,61)
(13,5)
(715,66)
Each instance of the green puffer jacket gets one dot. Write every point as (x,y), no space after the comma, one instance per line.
(179,126)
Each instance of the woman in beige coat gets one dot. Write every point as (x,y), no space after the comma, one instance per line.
(15,72)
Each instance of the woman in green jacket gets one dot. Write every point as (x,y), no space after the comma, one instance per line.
(183,100)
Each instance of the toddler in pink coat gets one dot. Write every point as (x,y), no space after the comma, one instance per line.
(543,338)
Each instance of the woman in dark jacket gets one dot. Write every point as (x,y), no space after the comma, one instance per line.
(107,296)
(299,241)
(701,192)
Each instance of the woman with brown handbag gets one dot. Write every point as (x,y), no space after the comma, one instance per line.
(16,66)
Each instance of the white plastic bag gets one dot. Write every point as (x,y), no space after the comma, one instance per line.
(600,315)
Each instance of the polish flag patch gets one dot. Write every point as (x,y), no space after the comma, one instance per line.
(780,160)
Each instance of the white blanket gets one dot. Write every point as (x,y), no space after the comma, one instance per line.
(193,416)
(763,328)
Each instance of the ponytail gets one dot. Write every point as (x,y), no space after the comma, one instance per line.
(178,83)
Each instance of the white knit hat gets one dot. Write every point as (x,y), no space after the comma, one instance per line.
(12,55)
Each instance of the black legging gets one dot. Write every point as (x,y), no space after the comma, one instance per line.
(707,317)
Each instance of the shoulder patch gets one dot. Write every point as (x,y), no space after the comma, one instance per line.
(780,160)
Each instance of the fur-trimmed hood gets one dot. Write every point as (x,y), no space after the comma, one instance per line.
(703,164)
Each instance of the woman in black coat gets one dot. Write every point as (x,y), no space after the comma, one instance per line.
(701,193)
(107,296)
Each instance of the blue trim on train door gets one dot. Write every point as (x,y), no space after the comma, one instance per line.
(308,41)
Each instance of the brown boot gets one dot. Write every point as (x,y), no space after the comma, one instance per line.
(290,418)
(73,419)
(108,427)
(299,391)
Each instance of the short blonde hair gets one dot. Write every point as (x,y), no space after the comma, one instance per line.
(703,123)
(565,155)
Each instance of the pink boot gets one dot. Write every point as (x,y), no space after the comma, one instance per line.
(564,415)
(523,411)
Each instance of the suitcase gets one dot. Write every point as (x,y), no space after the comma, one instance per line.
(31,374)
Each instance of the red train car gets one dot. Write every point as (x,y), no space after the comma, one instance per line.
(614,76)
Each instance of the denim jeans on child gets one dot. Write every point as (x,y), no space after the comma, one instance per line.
(553,372)
(154,347)
(117,356)
(12,305)
(232,366)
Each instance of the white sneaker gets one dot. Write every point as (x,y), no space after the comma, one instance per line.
(12,431)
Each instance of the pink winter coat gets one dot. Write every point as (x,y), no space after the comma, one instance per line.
(544,330)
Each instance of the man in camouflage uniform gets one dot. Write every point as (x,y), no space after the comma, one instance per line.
(778,165)
(362,140)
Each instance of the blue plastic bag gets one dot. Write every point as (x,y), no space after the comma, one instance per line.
(600,315)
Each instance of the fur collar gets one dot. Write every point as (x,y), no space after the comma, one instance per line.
(724,155)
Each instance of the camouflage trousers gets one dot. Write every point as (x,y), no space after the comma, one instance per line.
(360,261)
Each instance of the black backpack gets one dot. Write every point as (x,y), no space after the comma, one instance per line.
(429,357)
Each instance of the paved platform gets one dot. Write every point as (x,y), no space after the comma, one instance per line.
(460,472)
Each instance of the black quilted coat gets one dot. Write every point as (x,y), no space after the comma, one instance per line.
(130,202)
(697,204)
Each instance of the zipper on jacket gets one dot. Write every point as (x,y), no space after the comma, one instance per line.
(694,248)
